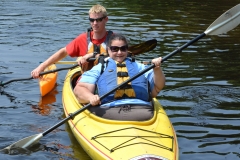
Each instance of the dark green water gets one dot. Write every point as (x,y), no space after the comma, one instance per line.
(201,95)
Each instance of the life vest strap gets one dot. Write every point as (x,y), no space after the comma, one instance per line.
(121,65)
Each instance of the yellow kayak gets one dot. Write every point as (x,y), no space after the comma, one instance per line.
(104,139)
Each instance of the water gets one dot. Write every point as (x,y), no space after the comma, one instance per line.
(201,95)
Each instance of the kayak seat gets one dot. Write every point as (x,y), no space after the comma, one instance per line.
(124,112)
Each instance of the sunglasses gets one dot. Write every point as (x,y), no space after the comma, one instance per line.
(116,48)
(97,19)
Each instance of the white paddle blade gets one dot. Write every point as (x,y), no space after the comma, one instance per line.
(25,143)
(226,22)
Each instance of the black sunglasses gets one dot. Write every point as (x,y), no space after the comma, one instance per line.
(97,19)
(116,48)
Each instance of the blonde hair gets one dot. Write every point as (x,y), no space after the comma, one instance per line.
(98,9)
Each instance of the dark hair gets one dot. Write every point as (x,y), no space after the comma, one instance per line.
(115,36)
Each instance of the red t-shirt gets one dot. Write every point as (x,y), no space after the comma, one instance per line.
(78,47)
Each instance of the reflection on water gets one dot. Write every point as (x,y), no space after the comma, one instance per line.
(201,95)
(44,105)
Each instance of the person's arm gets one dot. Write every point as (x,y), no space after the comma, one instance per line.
(84,93)
(85,88)
(159,77)
(79,48)
(60,54)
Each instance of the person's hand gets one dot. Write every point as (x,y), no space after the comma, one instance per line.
(157,62)
(82,60)
(35,73)
(94,100)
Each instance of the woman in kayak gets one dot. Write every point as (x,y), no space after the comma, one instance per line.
(134,100)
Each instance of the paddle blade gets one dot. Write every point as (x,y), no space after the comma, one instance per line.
(143,47)
(226,22)
(24,143)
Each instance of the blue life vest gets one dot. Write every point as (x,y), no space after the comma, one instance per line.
(108,80)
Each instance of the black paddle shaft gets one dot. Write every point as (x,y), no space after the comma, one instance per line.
(41,74)
(72,115)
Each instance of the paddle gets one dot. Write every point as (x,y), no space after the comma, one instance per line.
(222,25)
(41,74)
(134,50)
(142,47)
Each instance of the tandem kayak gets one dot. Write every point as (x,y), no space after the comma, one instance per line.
(102,139)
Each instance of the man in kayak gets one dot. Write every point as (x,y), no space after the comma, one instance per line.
(132,102)
(92,42)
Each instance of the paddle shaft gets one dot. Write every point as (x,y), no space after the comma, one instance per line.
(60,69)
(72,115)
(41,74)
